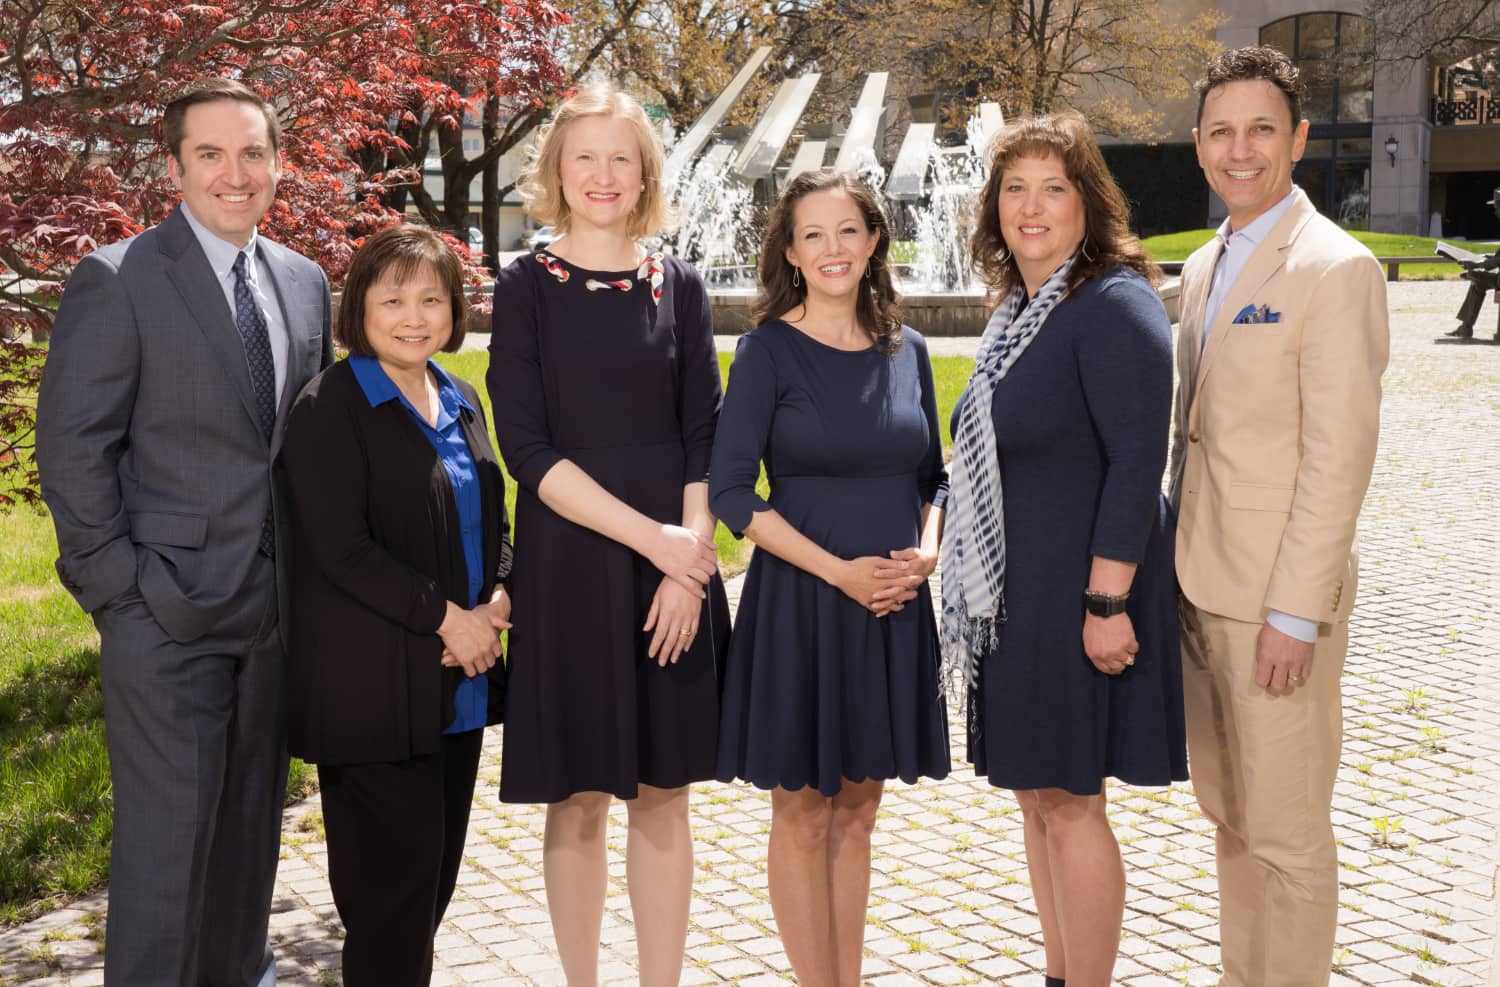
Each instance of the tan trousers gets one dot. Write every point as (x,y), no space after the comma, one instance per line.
(1263,765)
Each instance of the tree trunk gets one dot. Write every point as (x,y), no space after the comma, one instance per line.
(455,181)
(489,216)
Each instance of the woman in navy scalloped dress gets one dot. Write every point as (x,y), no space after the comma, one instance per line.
(832,682)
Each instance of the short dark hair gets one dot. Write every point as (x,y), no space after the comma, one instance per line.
(875,308)
(1247,65)
(209,90)
(399,251)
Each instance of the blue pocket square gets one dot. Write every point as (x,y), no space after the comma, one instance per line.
(1254,314)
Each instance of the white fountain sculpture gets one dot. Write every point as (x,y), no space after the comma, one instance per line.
(716,232)
(944,221)
(720,214)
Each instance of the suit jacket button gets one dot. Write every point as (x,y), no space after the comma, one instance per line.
(1194,436)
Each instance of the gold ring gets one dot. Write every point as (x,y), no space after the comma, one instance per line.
(1129,660)
(684,633)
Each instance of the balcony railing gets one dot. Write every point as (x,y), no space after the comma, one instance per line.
(1465,112)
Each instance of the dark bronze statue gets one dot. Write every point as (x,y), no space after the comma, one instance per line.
(1483,275)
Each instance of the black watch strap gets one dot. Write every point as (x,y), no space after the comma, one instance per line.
(1104,604)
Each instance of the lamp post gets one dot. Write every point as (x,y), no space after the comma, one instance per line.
(1391,147)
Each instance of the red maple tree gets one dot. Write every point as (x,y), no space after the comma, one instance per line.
(81,87)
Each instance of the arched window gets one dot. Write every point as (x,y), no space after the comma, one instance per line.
(1336,55)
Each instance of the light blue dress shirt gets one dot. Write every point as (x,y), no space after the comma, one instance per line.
(221,254)
(1237,246)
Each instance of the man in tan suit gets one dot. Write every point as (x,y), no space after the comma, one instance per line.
(1283,340)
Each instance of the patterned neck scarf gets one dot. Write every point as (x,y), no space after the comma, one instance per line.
(973,550)
(652,271)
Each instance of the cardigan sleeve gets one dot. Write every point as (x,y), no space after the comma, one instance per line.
(933,477)
(743,434)
(698,384)
(518,391)
(1125,367)
(328,470)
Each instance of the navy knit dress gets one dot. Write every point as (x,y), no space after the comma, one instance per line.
(818,690)
(1081,424)
(627,388)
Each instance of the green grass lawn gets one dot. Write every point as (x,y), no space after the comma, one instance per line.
(1177,246)
(55,811)
(54,778)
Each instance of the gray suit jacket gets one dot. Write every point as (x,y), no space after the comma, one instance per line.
(151,461)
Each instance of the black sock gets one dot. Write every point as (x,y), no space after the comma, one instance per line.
(1056,982)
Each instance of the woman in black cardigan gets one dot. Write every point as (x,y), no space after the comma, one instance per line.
(398,599)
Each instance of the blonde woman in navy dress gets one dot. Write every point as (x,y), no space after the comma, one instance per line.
(605,386)
(832,681)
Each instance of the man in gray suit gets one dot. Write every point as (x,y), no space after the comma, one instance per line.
(174,358)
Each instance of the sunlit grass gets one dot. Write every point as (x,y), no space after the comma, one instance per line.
(1177,246)
(55,811)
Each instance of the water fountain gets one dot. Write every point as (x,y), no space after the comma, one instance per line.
(930,192)
(716,229)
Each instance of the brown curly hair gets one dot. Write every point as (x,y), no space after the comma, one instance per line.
(1107,240)
(876,309)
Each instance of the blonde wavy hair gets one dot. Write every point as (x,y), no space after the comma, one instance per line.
(541,179)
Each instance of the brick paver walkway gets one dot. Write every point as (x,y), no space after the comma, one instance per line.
(1416,802)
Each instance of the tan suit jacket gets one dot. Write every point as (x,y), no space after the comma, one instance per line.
(1276,423)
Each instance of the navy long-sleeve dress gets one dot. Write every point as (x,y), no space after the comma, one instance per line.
(626,387)
(817,689)
(1081,425)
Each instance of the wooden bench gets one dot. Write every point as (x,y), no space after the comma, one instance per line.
(1393,264)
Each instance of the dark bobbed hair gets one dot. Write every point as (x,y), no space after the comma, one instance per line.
(211,90)
(400,251)
(875,307)
(1250,64)
(1107,240)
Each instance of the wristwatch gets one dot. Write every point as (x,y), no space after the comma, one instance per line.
(1103,604)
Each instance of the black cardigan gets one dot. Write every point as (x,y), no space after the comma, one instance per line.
(377,553)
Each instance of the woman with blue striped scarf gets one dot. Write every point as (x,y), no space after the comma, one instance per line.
(1058,599)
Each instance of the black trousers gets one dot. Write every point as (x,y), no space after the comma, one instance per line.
(395,843)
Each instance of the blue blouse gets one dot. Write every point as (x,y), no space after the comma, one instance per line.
(471,701)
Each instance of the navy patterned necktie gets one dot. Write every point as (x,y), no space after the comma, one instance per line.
(252,326)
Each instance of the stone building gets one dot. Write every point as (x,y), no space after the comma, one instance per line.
(1392,143)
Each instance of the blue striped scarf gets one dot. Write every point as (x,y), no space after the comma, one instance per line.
(973,550)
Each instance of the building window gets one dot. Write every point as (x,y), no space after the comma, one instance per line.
(1336,55)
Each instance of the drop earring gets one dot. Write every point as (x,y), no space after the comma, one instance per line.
(796,276)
